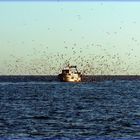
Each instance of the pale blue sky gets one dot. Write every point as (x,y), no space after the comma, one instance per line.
(35,35)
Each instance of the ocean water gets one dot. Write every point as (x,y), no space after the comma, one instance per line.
(88,110)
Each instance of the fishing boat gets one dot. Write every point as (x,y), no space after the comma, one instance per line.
(70,74)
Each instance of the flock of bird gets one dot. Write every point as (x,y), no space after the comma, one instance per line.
(52,64)
(41,62)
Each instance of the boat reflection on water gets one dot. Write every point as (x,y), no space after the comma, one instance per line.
(70,74)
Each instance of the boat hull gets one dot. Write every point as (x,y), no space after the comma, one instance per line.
(69,78)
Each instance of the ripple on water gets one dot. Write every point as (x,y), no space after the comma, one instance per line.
(70,110)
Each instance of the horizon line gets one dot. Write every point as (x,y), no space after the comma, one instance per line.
(69,0)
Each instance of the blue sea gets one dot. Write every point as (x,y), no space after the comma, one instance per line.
(98,110)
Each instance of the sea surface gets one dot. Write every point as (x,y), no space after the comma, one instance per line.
(103,110)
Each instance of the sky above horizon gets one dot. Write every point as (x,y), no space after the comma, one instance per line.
(42,37)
